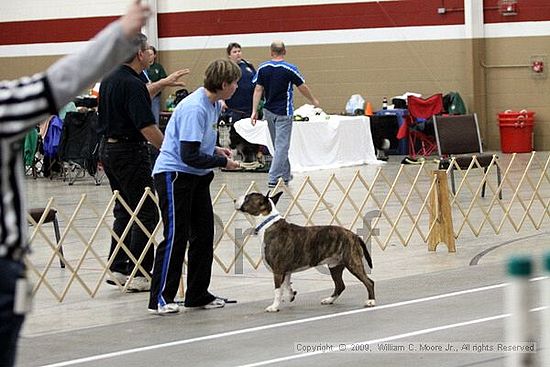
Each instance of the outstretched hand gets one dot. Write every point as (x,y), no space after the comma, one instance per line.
(172,80)
(135,18)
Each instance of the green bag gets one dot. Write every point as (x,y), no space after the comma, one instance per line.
(453,104)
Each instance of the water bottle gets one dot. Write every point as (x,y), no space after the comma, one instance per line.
(170,103)
(384,103)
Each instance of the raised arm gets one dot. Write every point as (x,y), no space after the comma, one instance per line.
(171,80)
(28,100)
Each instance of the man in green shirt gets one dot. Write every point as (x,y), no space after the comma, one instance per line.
(156,72)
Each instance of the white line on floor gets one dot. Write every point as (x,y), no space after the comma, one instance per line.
(387,339)
(279,325)
(381,340)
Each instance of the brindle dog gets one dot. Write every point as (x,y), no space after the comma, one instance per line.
(289,248)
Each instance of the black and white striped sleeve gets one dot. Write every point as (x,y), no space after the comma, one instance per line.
(23,103)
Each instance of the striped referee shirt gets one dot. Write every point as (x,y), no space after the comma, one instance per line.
(26,101)
(23,102)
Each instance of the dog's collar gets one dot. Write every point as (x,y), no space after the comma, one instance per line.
(266,222)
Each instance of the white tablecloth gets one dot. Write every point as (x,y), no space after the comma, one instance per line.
(338,141)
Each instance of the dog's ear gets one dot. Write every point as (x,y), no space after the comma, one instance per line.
(276,197)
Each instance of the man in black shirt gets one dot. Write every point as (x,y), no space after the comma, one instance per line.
(127,122)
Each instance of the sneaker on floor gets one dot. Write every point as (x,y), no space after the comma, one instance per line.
(216,303)
(121,278)
(272,185)
(169,308)
(139,284)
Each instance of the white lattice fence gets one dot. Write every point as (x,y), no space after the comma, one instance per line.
(395,203)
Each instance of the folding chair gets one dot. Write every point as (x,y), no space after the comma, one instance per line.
(421,139)
(79,146)
(458,137)
(50,217)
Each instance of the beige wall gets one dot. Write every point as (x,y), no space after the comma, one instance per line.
(334,72)
(14,67)
(375,70)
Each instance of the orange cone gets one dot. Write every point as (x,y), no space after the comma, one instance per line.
(368,110)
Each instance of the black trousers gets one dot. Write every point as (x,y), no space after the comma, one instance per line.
(128,168)
(10,323)
(187,214)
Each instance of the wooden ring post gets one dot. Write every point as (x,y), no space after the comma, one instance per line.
(440,214)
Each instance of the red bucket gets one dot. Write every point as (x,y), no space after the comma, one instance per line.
(516,131)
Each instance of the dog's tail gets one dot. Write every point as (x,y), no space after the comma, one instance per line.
(365,251)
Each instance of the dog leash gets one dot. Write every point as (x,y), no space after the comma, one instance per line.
(264,223)
(226,300)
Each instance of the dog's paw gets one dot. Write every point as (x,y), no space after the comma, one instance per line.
(272,308)
(328,301)
(370,303)
(290,296)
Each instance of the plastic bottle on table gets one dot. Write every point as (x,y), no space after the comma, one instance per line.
(170,103)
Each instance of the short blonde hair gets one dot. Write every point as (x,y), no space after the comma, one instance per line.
(220,71)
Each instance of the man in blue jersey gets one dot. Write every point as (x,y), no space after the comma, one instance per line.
(275,80)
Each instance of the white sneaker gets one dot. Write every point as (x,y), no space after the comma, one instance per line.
(139,284)
(121,278)
(168,308)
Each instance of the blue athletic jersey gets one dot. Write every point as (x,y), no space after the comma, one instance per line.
(278,79)
(193,120)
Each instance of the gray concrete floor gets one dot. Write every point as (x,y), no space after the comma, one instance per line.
(422,297)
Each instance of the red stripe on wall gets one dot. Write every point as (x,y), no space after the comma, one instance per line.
(241,21)
(404,13)
(306,18)
(51,30)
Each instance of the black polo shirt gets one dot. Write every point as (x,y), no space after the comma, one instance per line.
(124,105)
